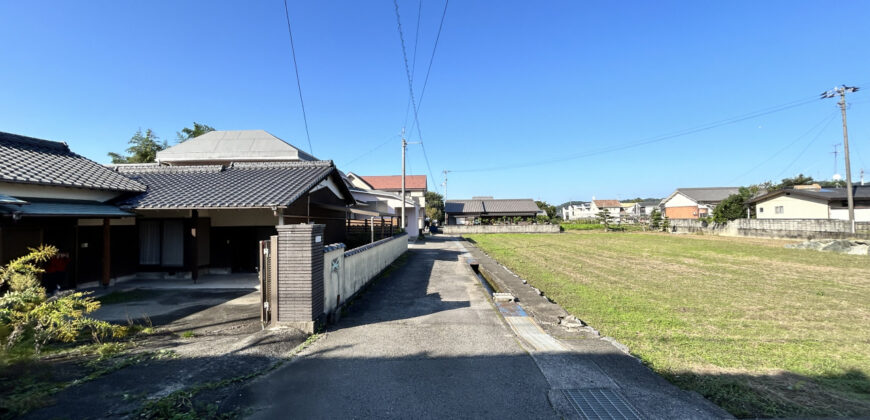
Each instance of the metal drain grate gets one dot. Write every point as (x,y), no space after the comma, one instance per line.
(600,403)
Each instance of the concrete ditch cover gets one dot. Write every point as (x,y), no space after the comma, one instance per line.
(600,403)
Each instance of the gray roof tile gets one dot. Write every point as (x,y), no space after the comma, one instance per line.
(712,194)
(489,206)
(35,161)
(238,185)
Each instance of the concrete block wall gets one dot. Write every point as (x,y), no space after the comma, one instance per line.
(300,275)
(775,228)
(345,272)
(460,230)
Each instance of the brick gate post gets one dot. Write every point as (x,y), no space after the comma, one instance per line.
(300,276)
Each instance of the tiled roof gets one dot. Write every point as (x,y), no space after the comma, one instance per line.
(35,161)
(607,204)
(394,182)
(512,206)
(463,206)
(251,185)
(708,195)
(859,192)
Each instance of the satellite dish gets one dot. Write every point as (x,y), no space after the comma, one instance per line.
(837,177)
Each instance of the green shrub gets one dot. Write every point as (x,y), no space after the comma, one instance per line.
(28,314)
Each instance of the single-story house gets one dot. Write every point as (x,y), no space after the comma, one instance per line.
(466,212)
(210,218)
(820,203)
(694,203)
(51,195)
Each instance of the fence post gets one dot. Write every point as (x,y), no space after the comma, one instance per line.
(300,276)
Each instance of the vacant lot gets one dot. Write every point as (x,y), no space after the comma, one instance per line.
(759,329)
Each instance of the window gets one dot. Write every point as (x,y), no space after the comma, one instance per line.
(161,242)
(778,210)
(761,209)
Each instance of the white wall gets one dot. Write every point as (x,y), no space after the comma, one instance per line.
(792,208)
(861,215)
(356,267)
(63,193)
(680,200)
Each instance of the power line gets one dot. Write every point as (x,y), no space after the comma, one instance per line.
(370,151)
(431,175)
(414,60)
(827,118)
(431,59)
(819,134)
(298,83)
(681,133)
(411,84)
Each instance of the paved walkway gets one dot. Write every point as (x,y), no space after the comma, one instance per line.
(426,342)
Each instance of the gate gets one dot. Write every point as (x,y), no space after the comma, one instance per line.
(267,273)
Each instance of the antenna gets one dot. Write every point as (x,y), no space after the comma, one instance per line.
(835,153)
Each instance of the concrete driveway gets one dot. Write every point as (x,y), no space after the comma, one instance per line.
(426,342)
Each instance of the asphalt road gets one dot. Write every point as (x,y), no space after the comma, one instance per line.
(423,342)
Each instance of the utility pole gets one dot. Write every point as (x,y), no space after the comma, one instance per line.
(445,195)
(842,90)
(404,146)
(835,153)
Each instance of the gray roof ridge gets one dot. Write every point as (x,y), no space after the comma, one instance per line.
(180,169)
(282,164)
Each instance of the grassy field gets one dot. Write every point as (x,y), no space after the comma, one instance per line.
(758,329)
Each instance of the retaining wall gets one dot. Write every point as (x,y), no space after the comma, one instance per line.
(460,230)
(775,228)
(345,272)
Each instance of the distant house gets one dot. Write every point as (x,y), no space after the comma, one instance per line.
(647,206)
(50,195)
(415,191)
(578,211)
(590,210)
(614,207)
(693,203)
(820,203)
(467,212)
(640,209)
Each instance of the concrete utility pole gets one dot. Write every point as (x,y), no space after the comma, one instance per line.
(445,195)
(842,90)
(404,146)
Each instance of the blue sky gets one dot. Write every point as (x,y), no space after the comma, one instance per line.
(512,84)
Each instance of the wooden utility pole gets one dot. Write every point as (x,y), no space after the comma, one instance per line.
(842,90)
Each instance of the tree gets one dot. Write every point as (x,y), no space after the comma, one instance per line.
(604,217)
(143,148)
(189,133)
(545,206)
(655,219)
(734,206)
(666,223)
(434,206)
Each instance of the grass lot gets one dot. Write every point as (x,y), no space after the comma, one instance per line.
(758,329)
